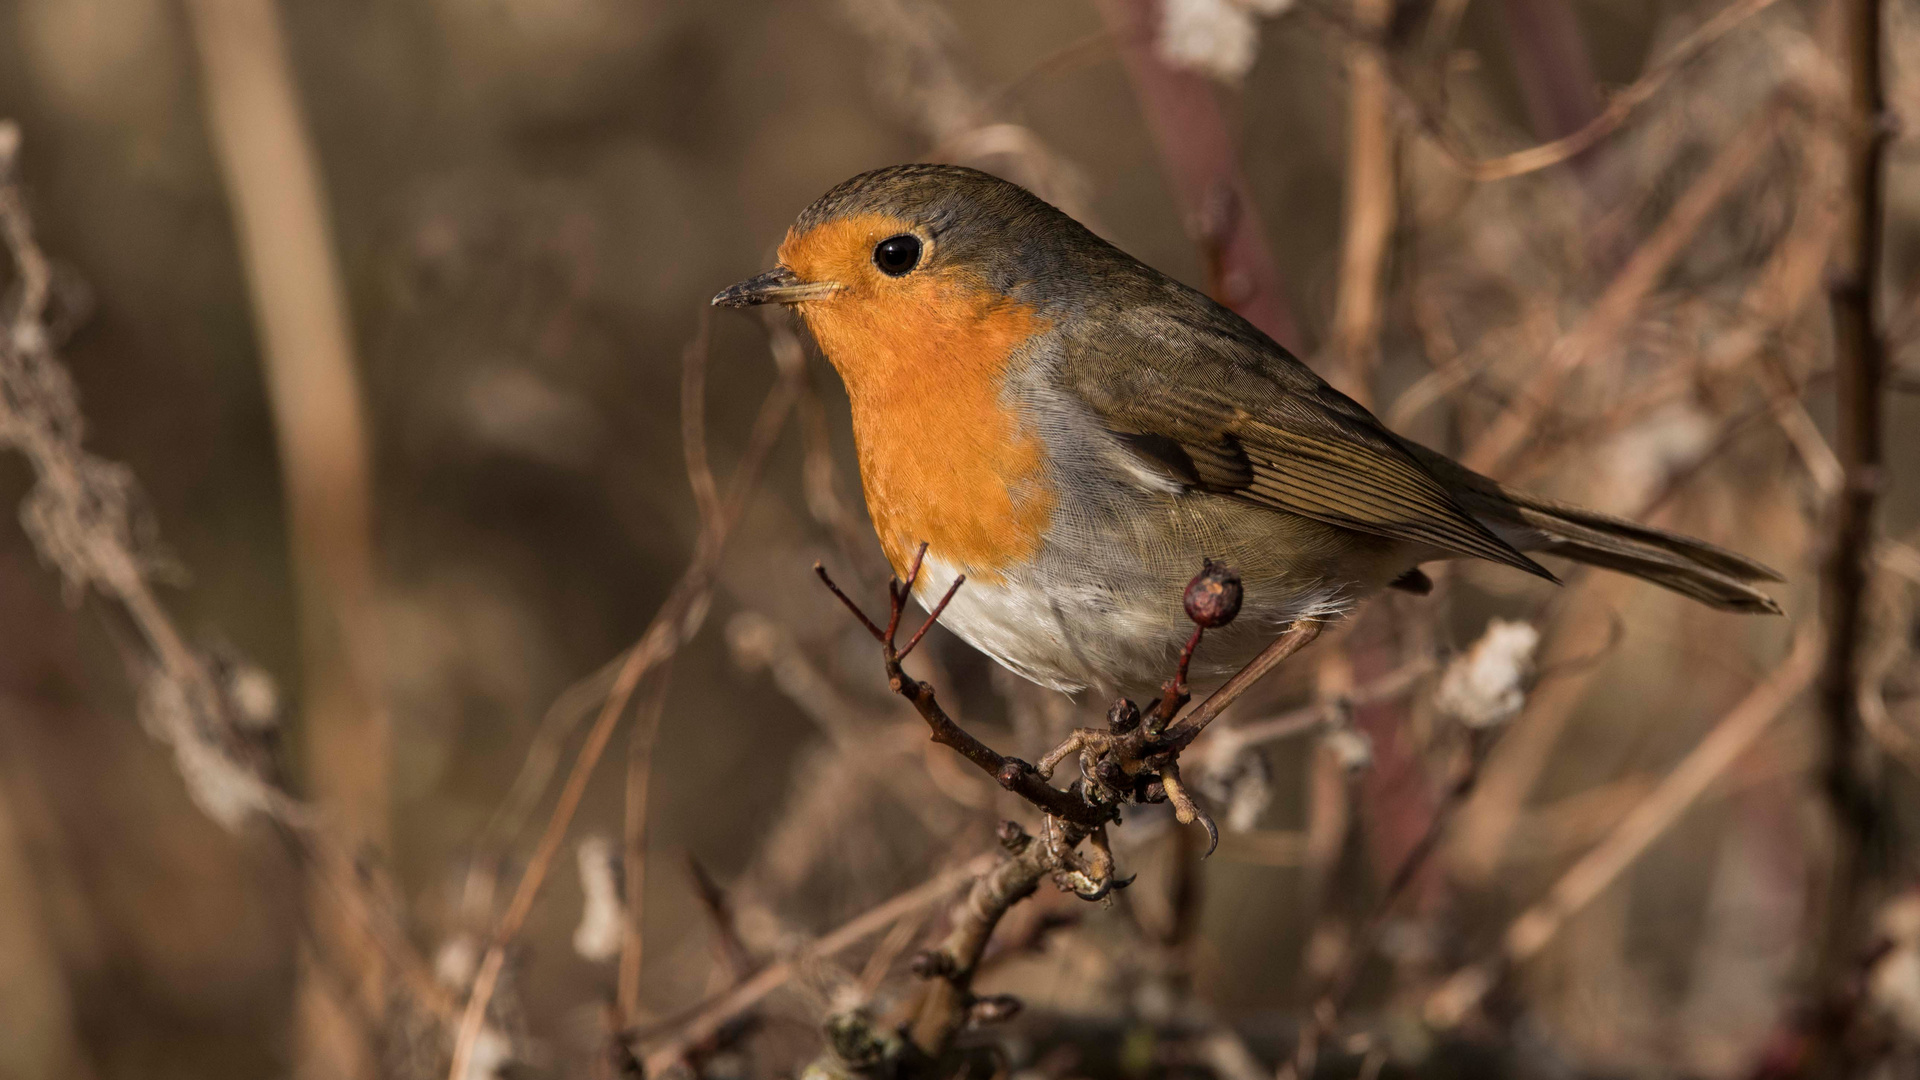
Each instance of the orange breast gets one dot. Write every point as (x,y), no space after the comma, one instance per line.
(943,458)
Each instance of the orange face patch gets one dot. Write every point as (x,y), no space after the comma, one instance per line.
(943,458)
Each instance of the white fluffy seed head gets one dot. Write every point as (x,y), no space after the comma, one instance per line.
(602,915)
(1217,37)
(1486,685)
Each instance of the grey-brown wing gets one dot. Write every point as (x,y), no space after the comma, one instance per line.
(1233,414)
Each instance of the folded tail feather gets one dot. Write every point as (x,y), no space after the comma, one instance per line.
(1711,575)
(1707,573)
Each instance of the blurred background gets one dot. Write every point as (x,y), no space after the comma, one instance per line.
(384,305)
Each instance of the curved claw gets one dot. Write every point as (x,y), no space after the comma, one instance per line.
(1091,890)
(1099,871)
(1213,832)
(1186,810)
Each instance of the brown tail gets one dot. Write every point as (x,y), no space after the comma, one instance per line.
(1712,575)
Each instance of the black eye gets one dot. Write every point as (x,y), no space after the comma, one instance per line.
(897,255)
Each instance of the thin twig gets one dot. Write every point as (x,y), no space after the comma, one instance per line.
(1230,741)
(1346,978)
(1296,637)
(1369,209)
(1011,773)
(734,954)
(934,615)
(646,728)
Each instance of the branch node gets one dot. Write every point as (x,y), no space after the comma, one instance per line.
(1012,770)
(934,964)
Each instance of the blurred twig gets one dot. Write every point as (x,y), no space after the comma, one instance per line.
(734,954)
(83,517)
(640,744)
(281,217)
(1346,977)
(1202,163)
(1648,820)
(711,1017)
(1611,313)
(1853,280)
(1371,194)
(1620,106)
(672,625)
(921,77)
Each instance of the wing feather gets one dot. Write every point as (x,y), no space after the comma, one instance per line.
(1232,413)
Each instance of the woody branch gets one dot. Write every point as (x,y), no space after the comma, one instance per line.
(1134,760)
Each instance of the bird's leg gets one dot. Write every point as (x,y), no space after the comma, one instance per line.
(1077,743)
(1090,878)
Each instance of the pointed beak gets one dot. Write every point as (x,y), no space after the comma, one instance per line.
(777,286)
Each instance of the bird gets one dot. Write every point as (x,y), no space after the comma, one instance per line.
(1076,432)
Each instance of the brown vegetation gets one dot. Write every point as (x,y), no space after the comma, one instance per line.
(1501,829)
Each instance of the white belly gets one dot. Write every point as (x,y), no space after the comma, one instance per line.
(1073,636)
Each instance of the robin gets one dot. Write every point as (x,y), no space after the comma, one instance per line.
(1075,432)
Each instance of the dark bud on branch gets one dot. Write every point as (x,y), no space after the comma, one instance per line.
(1011,770)
(1213,596)
(1014,838)
(1124,716)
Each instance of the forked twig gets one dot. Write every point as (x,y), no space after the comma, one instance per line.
(661,640)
